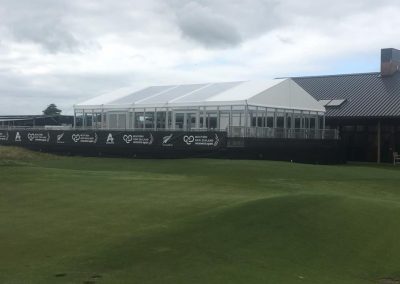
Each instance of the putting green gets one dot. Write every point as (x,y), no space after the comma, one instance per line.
(103,220)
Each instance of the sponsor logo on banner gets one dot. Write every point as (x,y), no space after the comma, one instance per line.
(17,137)
(38,137)
(188,139)
(60,138)
(110,139)
(76,137)
(138,139)
(216,141)
(84,138)
(166,140)
(201,140)
(4,136)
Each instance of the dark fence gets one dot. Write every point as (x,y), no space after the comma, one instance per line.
(313,151)
(174,144)
(133,139)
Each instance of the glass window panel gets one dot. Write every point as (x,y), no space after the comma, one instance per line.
(324,102)
(112,120)
(121,121)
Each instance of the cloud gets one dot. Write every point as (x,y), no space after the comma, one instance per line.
(66,51)
(221,24)
(204,26)
(50,34)
(40,22)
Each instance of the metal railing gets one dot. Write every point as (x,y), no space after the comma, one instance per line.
(283,133)
(89,128)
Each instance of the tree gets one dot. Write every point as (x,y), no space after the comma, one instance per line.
(52,110)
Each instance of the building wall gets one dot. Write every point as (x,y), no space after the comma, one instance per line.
(36,121)
(360,138)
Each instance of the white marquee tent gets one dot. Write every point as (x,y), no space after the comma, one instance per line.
(279,103)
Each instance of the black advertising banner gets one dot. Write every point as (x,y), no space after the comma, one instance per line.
(131,139)
(4,136)
(26,137)
(195,139)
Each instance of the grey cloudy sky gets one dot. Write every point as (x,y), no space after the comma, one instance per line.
(66,51)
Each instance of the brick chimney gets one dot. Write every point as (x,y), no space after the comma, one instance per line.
(390,61)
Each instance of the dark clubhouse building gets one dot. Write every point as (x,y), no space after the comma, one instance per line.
(364,107)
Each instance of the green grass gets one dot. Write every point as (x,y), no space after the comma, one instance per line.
(103,220)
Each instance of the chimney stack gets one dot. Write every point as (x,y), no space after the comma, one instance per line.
(390,61)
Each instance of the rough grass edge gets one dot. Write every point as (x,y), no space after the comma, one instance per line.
(8,154)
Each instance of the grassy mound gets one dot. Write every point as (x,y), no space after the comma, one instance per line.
(11,155)
(88,220)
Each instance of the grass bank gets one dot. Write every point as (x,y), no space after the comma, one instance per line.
(104,220)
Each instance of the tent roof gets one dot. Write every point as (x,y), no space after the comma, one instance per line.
(278,93)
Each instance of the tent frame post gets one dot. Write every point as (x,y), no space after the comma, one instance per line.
(74,119)
(198,118)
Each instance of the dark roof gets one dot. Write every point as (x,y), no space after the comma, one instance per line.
(19,116)
(367,95)
(36,119)
(30,117)
(27,116)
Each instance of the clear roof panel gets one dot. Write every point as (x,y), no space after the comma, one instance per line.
(335,102)
(324,102)
(174,93)
(140,95)
(207,92)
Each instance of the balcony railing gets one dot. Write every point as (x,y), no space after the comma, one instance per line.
(283,133)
